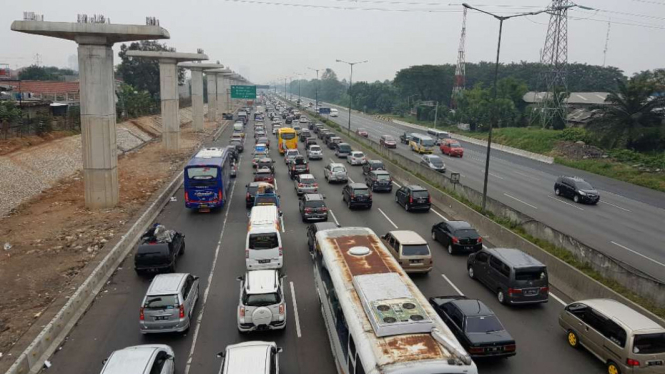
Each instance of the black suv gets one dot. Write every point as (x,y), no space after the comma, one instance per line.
(577,189)
(372,165)
(379,180)
(298,165)
(158,250)
(457,236)
(251,194)
(357,194)
(413,198)
(312,207)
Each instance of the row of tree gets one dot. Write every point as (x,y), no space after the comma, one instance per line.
(45,73)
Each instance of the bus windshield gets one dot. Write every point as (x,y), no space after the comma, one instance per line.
(288,135)
(202,173)
(427,142)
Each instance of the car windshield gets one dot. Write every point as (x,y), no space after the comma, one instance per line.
(345,148)
(436,161)
(466,233)
(315,148)
(483,325)
(202,173)
(388,138)
(288,135)
(427,142)
(415,250)
(263,299)
(263,241)
(264,173)
(420,194)
(377,165)
(358,155)
(530,274)
(582,185)
(307,180)
(265,200)
(315,204)
(338,169)
(161,302)
(299,161)
(454,145)
(649,343)
(361,191)
(383,177)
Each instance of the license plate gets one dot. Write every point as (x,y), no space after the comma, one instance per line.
(468,248)
(416,262)
(161,318)
(655,363)
(264,261)
(531,292)
(493,349)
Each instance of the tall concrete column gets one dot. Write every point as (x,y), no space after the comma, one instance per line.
(212,96)
(97,96)
(197,90)
(221,94)
(168,91)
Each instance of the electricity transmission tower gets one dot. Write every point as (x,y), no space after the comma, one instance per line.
(552,106)
(460,70)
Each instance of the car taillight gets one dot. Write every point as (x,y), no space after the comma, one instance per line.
(300,185)
(455,240)
(479,240)
(631,362)
(316,185)
(429,199)
(141,314)
(219,195)
(308,210)
(281,308)
(186,197)
(514,291)
(182,311)
(242,311)
(280,252)
(544,289)
(476,350)
(324,209)
(509,348)
(247,196)
(410,199)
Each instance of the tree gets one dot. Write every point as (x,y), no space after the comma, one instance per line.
(331,89)
(143,73)
(634,118)
(133,103)
(44,73)
(9,112)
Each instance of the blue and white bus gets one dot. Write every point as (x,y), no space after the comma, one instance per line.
(208,179)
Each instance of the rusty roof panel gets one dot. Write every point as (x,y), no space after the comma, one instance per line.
(404,348)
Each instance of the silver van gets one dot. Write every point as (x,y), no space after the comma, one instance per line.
(141,359)
(168,305)
(410,250)
(255,357)
(625,340)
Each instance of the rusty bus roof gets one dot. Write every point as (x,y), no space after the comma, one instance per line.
(395,350)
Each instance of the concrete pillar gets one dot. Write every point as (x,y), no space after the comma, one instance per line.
(168,93)
(221,96)
(197,99)
(212,96)
(98,136)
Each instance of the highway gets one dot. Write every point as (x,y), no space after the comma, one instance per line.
(215,252)
(627,224)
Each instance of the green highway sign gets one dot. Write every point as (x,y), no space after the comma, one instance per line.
(243,92)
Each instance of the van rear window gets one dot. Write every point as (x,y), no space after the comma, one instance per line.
(263,241)
(161,302)
(530,274)
(649,343)
(420,194)
(415,250)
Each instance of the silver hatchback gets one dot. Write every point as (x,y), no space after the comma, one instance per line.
(168,305)
(141,359)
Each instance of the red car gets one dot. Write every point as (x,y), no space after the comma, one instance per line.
(388,141)
(362,132)
(451,148)
(264,175)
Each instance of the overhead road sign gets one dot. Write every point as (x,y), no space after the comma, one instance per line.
(243,92)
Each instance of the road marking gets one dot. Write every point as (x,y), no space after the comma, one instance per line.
(207,290)
(514,198)
(452,284)
(389,220)
(440,215)
(494,175)
(525,175)
(295,309)
(281,219)
(561,201)
(616,206)
(349,178)
(331,160)
(637,253)
(333,216)
(276,185)
(397,184)
(557,299)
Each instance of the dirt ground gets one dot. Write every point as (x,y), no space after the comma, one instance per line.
(50,238)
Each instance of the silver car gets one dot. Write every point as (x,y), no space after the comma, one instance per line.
(335,172)
(257,357)
(262,305)
(314,153)
(306,183)
(141,359)
(433,162)
(168,305)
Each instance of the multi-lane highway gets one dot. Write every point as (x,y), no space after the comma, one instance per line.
(215,252)
(627,224)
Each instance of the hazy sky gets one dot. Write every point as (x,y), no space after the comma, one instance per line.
(269,42)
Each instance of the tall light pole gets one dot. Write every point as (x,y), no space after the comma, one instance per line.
(494,119)
(351,84)
(316,86)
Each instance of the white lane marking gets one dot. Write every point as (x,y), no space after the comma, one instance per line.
(389,220)
(637,253)
(282,222)
(452,284)
(397,184)
(207,290)
(295,309)
(331,160)
(525,175)
(557,298)
(561,201)
(439,214)
(276,188)
(494,175)
(333,216)
(616,206)
(514,198)
(350,180)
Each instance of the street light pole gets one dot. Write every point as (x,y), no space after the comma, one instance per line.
(494,119)
(316,87)
(351,84)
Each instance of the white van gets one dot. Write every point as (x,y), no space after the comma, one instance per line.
(263,246)
(334,112)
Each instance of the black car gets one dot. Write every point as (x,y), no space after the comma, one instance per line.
(379,180)
(298,165)
(577,189)
(313,229)
(288,120)
(252,188)
(457,236)
(413,197)
(405,138)
(357,194)
(238,144)
(158,250)
(332,143)
(312,207)
(475,326)
(227,116)
(372,165)
(304,134)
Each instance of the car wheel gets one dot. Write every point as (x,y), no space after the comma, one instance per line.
(576,199)
(557,192)
(348,204)
(573,340)
(451,250)
(471,273)
(613,368)
(501,296)
(406,207)
(396,199)
(433,236)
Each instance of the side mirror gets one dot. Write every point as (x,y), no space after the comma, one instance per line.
(196,277)
(221,354)
(104,361)
(240,278)
(279,349)
(169,357)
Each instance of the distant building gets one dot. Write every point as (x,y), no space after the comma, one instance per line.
(582,106)
(56,91)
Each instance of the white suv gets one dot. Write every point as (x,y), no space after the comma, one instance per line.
(314,153)
(255,357)
(356,158)
(335,172)
(262,305)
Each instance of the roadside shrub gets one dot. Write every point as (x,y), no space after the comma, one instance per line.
(575,134)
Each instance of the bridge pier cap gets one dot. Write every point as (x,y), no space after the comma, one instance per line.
(95,40)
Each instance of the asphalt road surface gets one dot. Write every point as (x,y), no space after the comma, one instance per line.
(627,224)
(215,252)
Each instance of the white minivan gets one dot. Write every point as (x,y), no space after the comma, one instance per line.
(263,246)
(334,112)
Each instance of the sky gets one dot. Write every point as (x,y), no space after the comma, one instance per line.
(267,40)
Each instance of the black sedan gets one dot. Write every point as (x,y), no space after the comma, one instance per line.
(457,236)
(476,327)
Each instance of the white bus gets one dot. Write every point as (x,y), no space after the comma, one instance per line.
(377,319)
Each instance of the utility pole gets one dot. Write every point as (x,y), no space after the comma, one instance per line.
(351,84)
(436,112)
(460,71)
(607,41)
(316,87)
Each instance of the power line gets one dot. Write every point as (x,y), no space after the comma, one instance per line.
(648,2)
(311,6)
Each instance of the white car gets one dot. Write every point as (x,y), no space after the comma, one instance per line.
(262,305)
(356,158)
(306,183)
(147,358)
(314,152)
(335,172)
(290,154)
